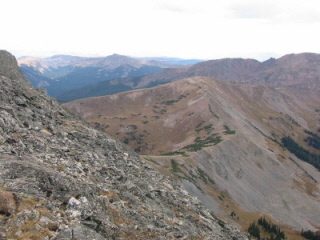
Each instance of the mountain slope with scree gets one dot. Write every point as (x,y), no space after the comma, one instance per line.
(61,179)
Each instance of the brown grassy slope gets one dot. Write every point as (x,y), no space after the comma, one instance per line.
(167,118)
(154,120)
(246,171)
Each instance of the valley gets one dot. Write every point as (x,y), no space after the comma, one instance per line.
(63,73)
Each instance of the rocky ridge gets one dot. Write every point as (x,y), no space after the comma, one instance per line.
(60,179)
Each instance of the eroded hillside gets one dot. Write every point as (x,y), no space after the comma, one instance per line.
(171,117)
(223,142)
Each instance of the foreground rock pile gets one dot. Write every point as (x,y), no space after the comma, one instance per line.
(61,179)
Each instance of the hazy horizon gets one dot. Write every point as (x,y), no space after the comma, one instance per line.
(187,29)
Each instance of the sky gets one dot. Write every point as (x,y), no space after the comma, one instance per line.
(192,29)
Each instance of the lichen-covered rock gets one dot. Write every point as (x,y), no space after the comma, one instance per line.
(69,180)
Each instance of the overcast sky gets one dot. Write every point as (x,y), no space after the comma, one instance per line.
(204,29)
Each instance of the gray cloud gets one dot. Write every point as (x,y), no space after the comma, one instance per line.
(172,8)
(272,11)
(254,11)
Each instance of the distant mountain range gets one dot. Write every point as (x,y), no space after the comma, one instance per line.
(299,70)
(62,73)
(173,60)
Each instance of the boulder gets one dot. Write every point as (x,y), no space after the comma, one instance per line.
(7,203)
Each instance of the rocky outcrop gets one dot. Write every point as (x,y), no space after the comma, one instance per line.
(60,179)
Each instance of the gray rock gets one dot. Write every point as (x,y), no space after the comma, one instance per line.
(7,203)
(79,232)
(73,181)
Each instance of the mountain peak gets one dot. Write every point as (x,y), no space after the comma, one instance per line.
(9,67)
(60,56)
(117,55)
(116,60)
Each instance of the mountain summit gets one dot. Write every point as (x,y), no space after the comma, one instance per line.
(60,179)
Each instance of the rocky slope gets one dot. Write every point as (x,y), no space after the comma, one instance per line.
(223,142)
(60,179)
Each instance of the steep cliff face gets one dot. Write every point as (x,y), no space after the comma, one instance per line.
(61,179)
